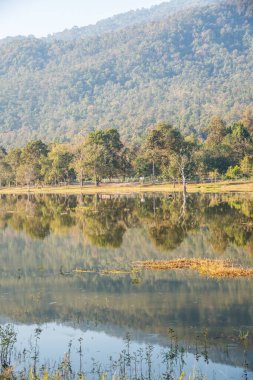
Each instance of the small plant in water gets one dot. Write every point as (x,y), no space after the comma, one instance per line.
(146,364)
(8,338)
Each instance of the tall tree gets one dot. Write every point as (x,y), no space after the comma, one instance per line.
(247,119)
(102,153)
(216,132)
(14,160)
(30,162)
(57,167)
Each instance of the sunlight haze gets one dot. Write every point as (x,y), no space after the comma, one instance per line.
(43,17)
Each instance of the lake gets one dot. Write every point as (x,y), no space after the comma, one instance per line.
(110,317)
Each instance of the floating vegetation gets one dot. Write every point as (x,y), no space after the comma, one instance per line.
(115,272)
(107,272)
(79,270)
(205,267)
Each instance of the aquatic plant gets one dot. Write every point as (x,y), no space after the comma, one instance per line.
(140,365)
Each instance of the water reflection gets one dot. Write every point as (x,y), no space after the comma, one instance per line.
(42,239)
(104,220)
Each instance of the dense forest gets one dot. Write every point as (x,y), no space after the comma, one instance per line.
(165,153)
(183,67)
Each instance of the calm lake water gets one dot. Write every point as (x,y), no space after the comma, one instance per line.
(43,238)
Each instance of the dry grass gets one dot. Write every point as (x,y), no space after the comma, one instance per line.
(104,272)
(115,272)
(84,271)
(205,267)
(218,187)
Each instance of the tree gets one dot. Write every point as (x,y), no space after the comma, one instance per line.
(153,148)
(125,164)
(182,162)
(216,132)
(6,174)
(5,168)
(225,147)
(31,162)
(239,141)
(79,163)
(33,151)
(102,153)
(233,172)
(26,174)
(247,119)
(158,146)
(3,152)
(14,159)
(57,167)
(246,166)
(245,7)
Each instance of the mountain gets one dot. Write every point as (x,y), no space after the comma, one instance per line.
(183,68)
(7,40)
(128,19)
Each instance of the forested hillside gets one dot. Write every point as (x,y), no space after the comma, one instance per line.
(131,18)
(184,68)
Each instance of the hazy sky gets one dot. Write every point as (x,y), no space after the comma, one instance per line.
(42,17)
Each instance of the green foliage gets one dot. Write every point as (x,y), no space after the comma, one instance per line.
(225,147)
(246,166)
(102,154)
(182,68)
(233,172)
(170,154)
(165,153)
(57,166)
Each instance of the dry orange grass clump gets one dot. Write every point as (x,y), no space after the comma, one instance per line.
(206,267)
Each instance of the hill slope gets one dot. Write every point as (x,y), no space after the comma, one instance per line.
(131,18)
(184,68)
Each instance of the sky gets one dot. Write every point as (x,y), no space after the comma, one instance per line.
(43,17)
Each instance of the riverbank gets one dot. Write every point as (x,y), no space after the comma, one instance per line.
(218,187)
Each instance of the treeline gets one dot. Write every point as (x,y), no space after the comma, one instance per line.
(226,151)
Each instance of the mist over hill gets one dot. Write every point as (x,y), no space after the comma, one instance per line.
(184,67)
(131,18)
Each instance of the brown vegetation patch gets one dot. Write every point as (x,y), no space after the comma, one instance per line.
(205,267)
(104,272)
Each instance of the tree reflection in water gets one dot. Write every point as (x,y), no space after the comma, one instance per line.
(104,220)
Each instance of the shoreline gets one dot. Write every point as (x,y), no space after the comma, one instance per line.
(236,186)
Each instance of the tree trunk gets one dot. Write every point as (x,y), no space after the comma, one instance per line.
(153,171)
(81,180)
(184,181)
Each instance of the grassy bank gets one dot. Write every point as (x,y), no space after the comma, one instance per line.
(218,187)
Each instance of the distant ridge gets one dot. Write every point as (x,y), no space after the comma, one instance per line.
(121,21)
(115,23)
(183,68)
